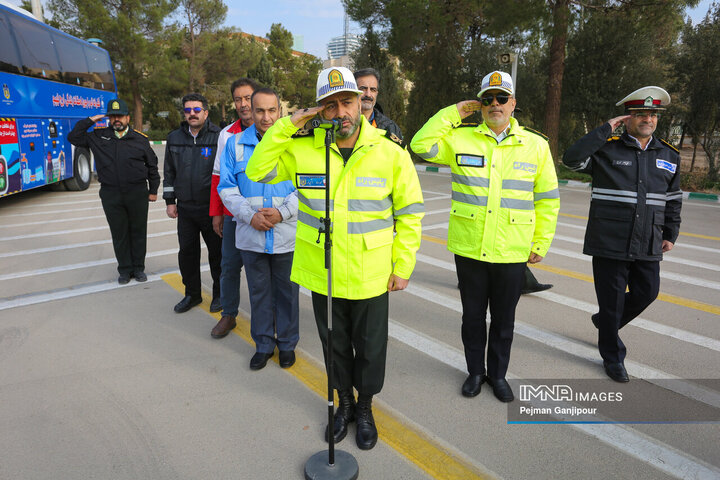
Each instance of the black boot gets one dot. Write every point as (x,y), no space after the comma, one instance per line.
(367,434)
(344,415)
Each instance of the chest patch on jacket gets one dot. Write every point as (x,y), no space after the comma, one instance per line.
(311,180)
(665,165)
(206,152)
(528,167)
(370,182)
(466,160)
(622,163)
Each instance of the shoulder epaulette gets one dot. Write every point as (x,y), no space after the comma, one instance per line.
(394,138)
(669,145)
(468,124)
(303,132)
(141,133)
(536,132)
(612,139)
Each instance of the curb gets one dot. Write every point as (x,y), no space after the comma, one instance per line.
(157,142)
(705,197)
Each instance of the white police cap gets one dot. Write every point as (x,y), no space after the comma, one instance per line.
(335,79)
(646,98)
(497,80)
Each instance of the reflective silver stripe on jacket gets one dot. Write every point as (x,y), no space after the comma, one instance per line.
(523,185)
(168,189)
(624,193)
(674,195)
(655,199)
(355,205)
(622,196)
(412,208)
(471,181)
(317,204)
(659,203)
(270,176)
(429,154)
(613,198)
(517,204)
(584,164)
(370,225)
(478,200)
(216,171)
(555,193)
(309,220)
(227,191)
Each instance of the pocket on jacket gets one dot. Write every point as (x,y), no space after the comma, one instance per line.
(464,224)
(657,233)
(609,228)
(377,254)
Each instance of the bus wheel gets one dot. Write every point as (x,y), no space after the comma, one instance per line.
(81,168)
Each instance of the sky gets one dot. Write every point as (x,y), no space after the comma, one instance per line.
(316,21)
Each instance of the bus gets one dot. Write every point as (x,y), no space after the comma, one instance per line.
(49,81)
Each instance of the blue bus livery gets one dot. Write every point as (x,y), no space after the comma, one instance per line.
(49,81)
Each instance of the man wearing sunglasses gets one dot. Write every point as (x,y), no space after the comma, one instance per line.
(189,159)
(634,215)
(505,203)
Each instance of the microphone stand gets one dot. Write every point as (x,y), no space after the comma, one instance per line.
(343,465)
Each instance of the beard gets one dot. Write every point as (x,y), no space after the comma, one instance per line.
(119,127)
(351,129)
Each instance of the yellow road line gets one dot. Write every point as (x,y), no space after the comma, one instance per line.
(410,441)
(573,216)
(664,297)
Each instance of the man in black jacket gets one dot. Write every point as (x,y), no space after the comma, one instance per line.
(128,174)
(634,215)
(189,158)
(368,80)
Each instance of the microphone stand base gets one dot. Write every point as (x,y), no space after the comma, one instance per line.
(345,467)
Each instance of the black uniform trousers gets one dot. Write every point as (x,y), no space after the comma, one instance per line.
(126,211)
(496,284)
(359,325)
(618,308)
(193,221)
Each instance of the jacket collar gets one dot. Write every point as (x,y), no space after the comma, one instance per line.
(515,129)
(208,125)
(249,136)
(654,143)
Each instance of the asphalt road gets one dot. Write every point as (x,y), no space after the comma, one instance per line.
(103,381)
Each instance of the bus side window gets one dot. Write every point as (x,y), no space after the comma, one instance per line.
(9,59)
(72,61)
(37,50)
(99,68)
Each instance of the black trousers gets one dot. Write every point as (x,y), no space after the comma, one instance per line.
(193,221)
(127,213)
(618,308)
(360,333)
(496,284)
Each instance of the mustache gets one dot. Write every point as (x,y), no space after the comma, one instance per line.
(367,98)
(193,118)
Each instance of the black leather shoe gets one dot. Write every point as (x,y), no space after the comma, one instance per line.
(501,389)
(140,276)
(215,305)
(616,371)
(124,278)
(259,360)
(538,287)
(287,358)
(344,415)
(596,320)
(366,435)
(472,385)
(187,303)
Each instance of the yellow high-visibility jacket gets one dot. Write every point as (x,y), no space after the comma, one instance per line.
(379,185)
(505,197)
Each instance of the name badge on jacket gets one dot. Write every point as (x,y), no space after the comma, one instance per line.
(311,180)
(467,160)
(665,165)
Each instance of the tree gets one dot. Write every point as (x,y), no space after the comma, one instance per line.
(371,54)
(699,65)
(127,28)
(263,73)
(202,17)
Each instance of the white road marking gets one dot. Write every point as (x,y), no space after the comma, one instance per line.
(20,253)
(77,230)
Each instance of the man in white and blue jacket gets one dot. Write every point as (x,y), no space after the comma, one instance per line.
(265,215)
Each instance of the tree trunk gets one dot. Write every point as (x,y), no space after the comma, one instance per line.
(138,105)
(561,15)
(692,162)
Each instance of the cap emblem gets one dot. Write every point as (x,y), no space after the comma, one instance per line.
(649,102)
(335,78)
(115,106)
(495,79)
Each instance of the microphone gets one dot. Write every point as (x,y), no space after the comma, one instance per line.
(325,124)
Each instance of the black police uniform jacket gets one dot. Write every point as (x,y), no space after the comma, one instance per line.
(128,162)
(382,121)
(636,196)
(189,164)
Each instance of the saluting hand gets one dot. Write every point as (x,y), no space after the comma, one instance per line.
(301,116)
(468,107)
(615,122)
(95,118)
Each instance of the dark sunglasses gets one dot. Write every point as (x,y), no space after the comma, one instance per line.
(502,99)
(193,109)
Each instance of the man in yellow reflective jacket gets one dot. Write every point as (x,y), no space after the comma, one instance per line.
(505,203)
(373,183)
